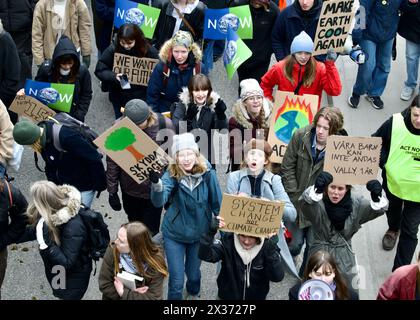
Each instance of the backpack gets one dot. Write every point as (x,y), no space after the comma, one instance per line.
(64,119)
(98,233)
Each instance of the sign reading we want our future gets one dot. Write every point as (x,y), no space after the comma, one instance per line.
(132,149)
(333,25)
(251,216)
(138,70)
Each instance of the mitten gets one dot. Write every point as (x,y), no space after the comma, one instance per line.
(192,111)
(86,61)
(154,176)
(220,108)
(114,201)
(375,188)
(331,55)
(214,225)
(322,181)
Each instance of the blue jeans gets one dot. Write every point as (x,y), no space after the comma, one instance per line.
(412,56)
(373,74)
(176,253)
(87,197)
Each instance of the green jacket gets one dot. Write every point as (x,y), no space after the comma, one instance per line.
(298,170)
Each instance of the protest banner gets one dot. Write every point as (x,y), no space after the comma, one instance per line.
(133,150)
(58,96)
(290,112)
(146,17)
(352,160)
(251,216)
(236,52)
(27,106)
(333,26)
(137,69)
(218,21)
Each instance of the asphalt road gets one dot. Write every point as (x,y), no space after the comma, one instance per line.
(25,277)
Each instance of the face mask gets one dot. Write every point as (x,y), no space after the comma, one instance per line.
(65,72)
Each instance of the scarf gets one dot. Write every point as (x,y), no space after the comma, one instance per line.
(255,182)
(247,255)
(306,15)
(128,263)
(338,213)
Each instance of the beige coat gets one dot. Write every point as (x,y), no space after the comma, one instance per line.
(6,135)
(44,35)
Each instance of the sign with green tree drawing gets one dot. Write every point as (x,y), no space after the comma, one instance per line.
(133,150)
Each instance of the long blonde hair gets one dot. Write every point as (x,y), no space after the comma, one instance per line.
(142,250)
(176,171)
(46,200)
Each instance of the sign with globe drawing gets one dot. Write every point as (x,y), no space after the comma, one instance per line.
(218,21)
(146,17)
(290,112)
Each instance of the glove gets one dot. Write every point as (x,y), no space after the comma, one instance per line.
(191,111)
(86,61)
(331,55)
(214,225)
(375,188)
(270,246)
(114,201)
(154,176)
(322,181)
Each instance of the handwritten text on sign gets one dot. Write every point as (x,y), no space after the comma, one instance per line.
(30,107)
(352,160)
(333,25)
(138,70)
(250,216)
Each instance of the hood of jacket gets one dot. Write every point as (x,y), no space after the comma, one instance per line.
(63,215)
(242,116)
(66,47)
(166,49)
(184,97)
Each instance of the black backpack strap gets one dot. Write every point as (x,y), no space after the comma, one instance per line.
(36,162)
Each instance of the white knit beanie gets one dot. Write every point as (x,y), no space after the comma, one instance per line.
(249,88)
(182,142)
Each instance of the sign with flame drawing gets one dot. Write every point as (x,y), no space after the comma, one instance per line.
(290,112)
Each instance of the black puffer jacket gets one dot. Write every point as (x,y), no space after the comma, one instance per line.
(83,84)
(72,254)
(11,232)
(16,15)
(207,120)
(166,23)
(265,267)
(80,165)
(104,73)
(409,25)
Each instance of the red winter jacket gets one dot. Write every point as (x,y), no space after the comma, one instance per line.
(327,78)
(400,285)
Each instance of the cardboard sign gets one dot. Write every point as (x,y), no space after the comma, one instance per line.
(352,160)
(333,26)
(138,70)
(290,112)
(133,150)
(251,216)
(30,107)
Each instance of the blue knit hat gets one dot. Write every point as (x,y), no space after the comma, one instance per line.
(302,42)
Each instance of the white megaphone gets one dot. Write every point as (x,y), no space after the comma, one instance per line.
(314,289)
